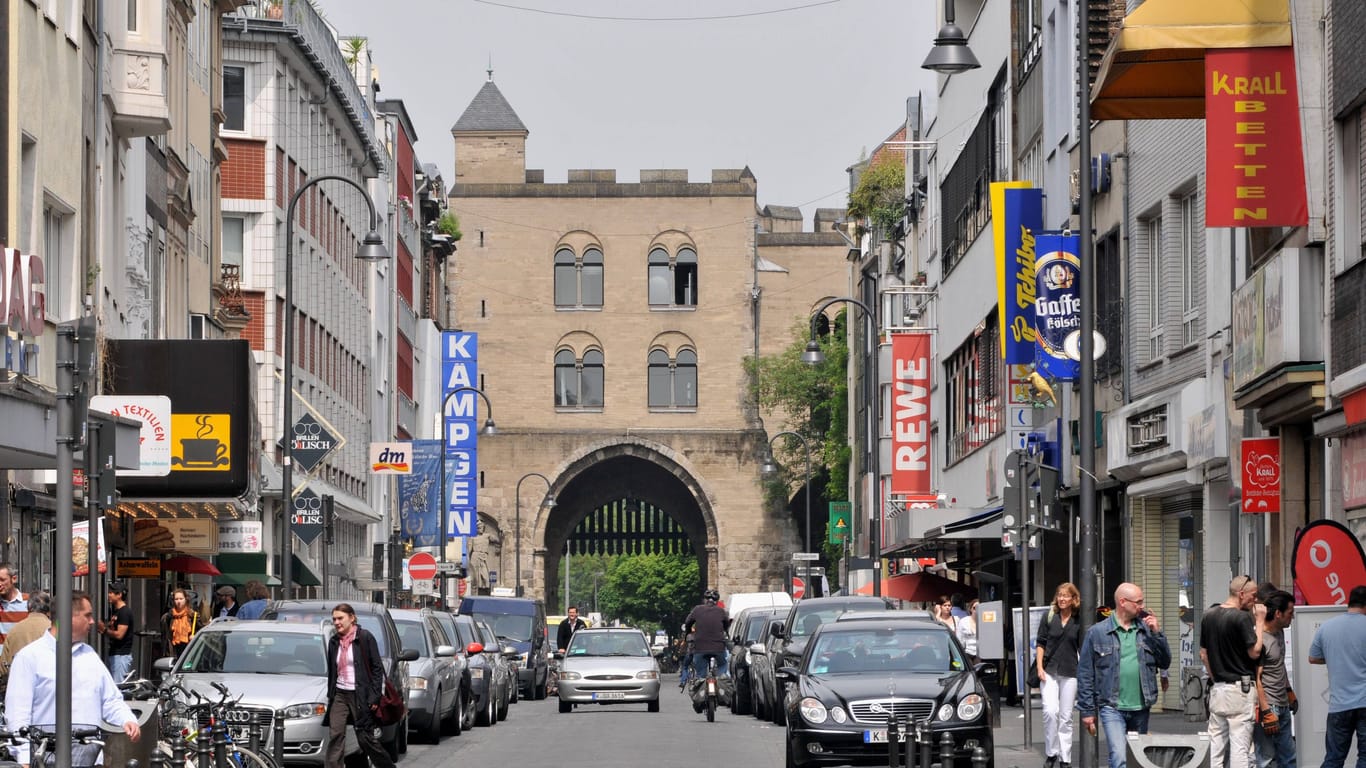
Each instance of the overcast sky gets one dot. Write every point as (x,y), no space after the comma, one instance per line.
(796,95)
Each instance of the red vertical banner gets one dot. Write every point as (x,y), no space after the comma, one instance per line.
(1261,475)
(1254,161)
(911,474)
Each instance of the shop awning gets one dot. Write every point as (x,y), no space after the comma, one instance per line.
(984,524)
(240,567)
(1155,65)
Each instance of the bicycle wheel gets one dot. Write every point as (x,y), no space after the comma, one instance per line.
(249,759)
(711,708)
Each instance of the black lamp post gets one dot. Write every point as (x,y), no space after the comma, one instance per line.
(371,249)
(814,356)
(517,531)
(489,429)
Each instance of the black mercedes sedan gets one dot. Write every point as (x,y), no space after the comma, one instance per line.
(854,675)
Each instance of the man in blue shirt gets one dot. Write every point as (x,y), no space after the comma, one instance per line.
(1117,671)
(32,695)
(1341,644)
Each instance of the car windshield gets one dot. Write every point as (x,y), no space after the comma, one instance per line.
(251,651)
(369,622)
(607,644)
(413,634)
(508,626)
(754,632)
(883,649)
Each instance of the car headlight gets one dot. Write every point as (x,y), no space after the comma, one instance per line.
(970,707)
(299,711)
(476,673)
(417,683)
(838,715)
(813,711)
(523,658)
(945,712)
(570,676)
(648,674)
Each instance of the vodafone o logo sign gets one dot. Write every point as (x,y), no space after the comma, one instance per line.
(1328,563)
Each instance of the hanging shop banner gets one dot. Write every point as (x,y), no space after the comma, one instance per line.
(1354,471)
(391,458)
(1328,563)
(1057,308)
(1254,162)
(1021,216)
(460,429)
(1261,475)
(80,548)
(838,527)
(911,413)
(419,501)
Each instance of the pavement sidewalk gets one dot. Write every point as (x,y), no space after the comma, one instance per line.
(1011,751)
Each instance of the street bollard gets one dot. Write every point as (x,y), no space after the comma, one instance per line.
(157,760)
(946,750)
(254,735)
(926,742)
(893,742)
(220,743)
(178,751)
(279,737)
(203,748)
(979,757)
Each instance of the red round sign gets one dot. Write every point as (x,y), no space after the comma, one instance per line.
(460,588)
(422,566)
(798,587)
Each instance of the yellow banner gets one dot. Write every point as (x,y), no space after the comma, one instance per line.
(998,244)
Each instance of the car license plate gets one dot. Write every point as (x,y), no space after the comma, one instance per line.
(608,695)
(241,736)
(879,736)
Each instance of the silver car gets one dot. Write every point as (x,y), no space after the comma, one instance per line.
(272,666)
(435,693)
(608,665)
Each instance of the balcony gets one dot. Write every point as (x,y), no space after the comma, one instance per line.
(138,68)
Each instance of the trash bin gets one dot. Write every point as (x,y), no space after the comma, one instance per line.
(119,749)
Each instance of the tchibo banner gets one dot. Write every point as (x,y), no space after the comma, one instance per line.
(460,429)
(1057,303)
(1019,211)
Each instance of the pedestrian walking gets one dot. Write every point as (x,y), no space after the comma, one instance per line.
(1117,671)
(179,624)
(35,624)
(571,624)
(967,631)
(258,596)
(1275,698)
(227,604)
(13,603)
(1059,647)
(355,683)
(1230,648)
(1341,644)
(943,613)
(118,632)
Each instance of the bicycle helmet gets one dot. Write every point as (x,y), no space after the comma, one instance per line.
(712,595)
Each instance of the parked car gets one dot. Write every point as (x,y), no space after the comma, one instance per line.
(745,630)
(489,687)
(520,622)
(273,666)
(802,620)
(499,656)
(435,695)
(448,625)
(609,665)
(854,675)
(375,618)
(759,655)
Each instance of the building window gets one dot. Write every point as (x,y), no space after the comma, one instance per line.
(57,262)
(975,407)
(673,280)
(234,98)
(1190,302)
(965,192)
(578,280)
(1152,229)
(579,383)
(234,230)
(132,15)
(673,383)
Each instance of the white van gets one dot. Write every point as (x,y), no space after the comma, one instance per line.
(742,600)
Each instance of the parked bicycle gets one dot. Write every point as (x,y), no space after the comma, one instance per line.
(87,743)
(202,726)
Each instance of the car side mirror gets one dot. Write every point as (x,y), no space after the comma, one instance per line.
(407,654)
(776,630)
(165,664)
(511,653)
(445,651)
(559,654)
(786,674)
(759,649)
(984,669)
(474,648)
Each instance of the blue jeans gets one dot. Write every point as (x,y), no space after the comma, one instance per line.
(684,670)
(1337,737)
(120,666)
(1116,723)
(699,661)
(1278,750)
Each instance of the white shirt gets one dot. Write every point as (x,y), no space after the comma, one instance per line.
(32,695)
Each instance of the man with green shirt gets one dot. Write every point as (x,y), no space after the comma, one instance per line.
(1117,672)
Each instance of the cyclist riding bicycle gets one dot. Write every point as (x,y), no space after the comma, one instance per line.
(708,622)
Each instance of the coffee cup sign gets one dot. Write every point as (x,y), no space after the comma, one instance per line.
(201,442)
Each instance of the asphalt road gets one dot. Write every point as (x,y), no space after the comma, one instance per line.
(536,735)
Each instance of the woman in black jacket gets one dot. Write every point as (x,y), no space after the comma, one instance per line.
(355,683)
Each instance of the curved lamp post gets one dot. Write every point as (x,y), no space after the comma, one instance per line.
(814,356)
(489,429)
(517,525)
(770,467)
(371,249)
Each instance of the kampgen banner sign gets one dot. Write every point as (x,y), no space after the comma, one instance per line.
(911,414)
(1254,161)
(1057,306)
(419,494)
(1016,213)
(460,429)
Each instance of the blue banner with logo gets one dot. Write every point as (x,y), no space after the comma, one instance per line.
(419,500)
(460,429)
(1057,310)
(1023,218)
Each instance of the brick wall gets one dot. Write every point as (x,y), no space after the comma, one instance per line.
(244,172)
(1349,55)
(255,332)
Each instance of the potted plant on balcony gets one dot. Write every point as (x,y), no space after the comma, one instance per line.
(274,9)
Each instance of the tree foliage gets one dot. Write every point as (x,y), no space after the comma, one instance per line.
(880,195)
(648,592)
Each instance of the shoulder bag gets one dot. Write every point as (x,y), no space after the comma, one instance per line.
(1032,678)
(391,706)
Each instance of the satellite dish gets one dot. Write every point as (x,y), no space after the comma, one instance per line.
(1071,346)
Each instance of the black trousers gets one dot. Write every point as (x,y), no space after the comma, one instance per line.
(345,711)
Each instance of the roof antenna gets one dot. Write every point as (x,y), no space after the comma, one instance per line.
(490,69)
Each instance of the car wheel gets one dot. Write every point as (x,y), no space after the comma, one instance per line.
(789,753)
(485,717)
(779,716)
(503,709)
(740,703)
(756,703)
(403,738)
(471,711)
(565,707)
(432,733)
(456,721)
(543,689)
(653,706)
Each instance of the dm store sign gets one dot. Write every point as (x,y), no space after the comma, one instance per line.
(460,430)
(1057,305)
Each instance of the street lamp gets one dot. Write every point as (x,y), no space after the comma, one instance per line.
(814,356)
(950,54)
(489,429)
(517,528)
(371,249)
(770,468)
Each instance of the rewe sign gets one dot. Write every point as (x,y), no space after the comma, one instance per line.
(911,414)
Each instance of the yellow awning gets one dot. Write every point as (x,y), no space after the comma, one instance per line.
(1155,67)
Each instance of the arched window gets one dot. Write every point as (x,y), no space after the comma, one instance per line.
(578,281)
(672,383)
(673,280)
(579,383)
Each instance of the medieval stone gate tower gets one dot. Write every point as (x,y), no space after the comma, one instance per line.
(614,322)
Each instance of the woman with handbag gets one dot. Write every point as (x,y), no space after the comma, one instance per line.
(355,684)
(1055,663)
(179,624)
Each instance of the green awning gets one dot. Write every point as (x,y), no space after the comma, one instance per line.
(241,579)
(256,565)
(303,575)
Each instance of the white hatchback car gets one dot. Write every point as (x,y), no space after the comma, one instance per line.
(609,665)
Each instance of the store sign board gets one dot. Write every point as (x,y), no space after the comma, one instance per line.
(460,429)
(190,536)
(911,372)
(1261,464)
(154,439)
(240,536)
(1354,471)
(1328,563)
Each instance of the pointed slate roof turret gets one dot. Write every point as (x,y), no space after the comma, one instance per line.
(489,111)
